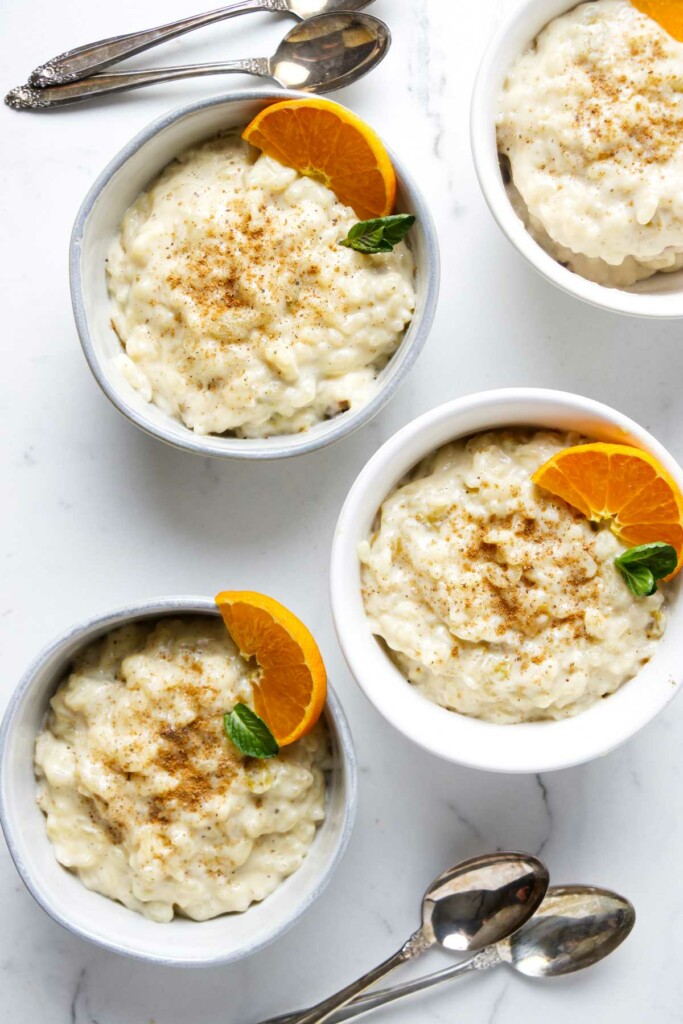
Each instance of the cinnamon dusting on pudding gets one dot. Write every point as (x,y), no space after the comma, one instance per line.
(238,310)
(590,125)
(199,762)
(495,599)
(634,118)
(145,797)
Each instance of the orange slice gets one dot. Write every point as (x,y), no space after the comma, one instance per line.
(290,693)
(667,13)
(622,484)
(325,141)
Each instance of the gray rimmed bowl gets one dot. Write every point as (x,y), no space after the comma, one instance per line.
(99,219)
(63,896)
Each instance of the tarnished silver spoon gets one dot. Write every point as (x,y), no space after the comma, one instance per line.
(94,57)
(321,54)
(470,906)
(575,927)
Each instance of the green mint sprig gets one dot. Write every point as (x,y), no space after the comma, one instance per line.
(249,732)
(642,566)
(379,235)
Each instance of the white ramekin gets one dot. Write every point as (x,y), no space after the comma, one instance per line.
(100,217)
(660,296)
(181,942)
(527,747)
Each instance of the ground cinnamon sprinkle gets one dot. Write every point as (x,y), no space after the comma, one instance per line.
(196,758)
(636,116)
(224,269)
(510,590)
(186,754)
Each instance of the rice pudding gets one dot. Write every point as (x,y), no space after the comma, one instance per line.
(237,309)
(495,599)
(591,122)
(146,799)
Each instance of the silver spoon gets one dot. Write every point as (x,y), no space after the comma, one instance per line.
(93,57)
(575,927)
(467,908)
(321,54)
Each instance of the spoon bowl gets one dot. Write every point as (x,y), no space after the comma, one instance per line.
(575,927)
(330,52)
(478,902)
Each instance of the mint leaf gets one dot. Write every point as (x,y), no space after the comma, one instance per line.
(379,235)
(249,732)
(639,580)
(642,566)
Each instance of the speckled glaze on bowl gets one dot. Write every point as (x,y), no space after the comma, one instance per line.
(181,942)
(528,746)
(658,297)
(99,219)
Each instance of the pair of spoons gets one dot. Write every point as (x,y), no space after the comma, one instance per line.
(332,47)
(498,908)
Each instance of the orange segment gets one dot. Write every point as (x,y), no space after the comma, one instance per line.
(668,13)
(290,693)
(620,483)
(325,141)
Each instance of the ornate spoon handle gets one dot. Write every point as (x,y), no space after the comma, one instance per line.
(93,57)
(24,97)
(488,957)
(325,1010)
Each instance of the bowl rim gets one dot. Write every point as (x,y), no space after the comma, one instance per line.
(103,622)
(520,748)
(238,448)
(485,156)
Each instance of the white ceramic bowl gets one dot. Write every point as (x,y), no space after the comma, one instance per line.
(527,747)
(181,942)
(98,222)
(660,296)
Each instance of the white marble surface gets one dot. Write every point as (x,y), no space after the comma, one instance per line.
(95,513)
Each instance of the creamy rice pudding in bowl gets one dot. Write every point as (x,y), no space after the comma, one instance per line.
(577,136)
(485,616)
(132,818)
(214,301)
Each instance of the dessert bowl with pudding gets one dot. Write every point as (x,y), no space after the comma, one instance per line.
(137,820)
(215,304)
(577,135)
(486,607)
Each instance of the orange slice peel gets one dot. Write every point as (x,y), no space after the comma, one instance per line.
(667,13)
(323,140)
(290,693)
(622,484)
